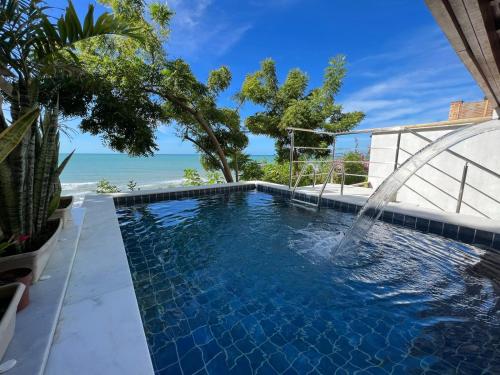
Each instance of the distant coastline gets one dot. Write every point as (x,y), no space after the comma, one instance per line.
(84,170)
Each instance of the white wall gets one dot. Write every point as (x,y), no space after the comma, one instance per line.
(437,184)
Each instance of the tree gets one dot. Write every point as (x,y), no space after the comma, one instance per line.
(135,83)
(34,49)
(292,105)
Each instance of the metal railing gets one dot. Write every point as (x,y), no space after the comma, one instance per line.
(314,162)
(396,163)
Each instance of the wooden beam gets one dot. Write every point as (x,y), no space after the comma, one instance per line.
(460,23)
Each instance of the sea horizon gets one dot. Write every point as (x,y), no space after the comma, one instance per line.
(85,170)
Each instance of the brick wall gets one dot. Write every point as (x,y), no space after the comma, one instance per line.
(462,110)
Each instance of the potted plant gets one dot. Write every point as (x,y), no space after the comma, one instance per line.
(36,51)
(19,275)
(10,295)
(63,210)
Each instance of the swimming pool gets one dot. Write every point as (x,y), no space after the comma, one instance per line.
(244,283)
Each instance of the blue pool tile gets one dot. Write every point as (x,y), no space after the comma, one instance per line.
(422,224)
(410,221)
(466,235)
(450,231)
(242,367)
(266,369)
(192,361)
(387,216)
(166,357)
(496,241)
(210,350)
(202,335)
(436,227)
(174,369)
(398,219)
(185,344)
(218,365)
(483,238)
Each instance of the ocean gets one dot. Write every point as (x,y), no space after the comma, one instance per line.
(83,171)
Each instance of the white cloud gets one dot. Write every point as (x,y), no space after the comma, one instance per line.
(200,29)
(411,80)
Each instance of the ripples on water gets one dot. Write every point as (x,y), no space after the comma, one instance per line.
(246,283)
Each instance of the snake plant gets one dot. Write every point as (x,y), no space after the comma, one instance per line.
(34,48)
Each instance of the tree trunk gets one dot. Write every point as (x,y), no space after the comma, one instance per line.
(225,166)
(206,126)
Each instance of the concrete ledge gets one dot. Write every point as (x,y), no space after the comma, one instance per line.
(100,329)
(36,325)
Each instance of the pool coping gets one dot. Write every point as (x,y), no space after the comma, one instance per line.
(464,228)
(100,329)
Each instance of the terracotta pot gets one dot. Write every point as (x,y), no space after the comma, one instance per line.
(9,299)
(64,210)
(34,260)
(20,275)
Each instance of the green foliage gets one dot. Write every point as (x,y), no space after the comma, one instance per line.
(104,187)
(135,87)
(37,51)
(162,14)
(192,177)
(132,185)
(251,170)
(355,163)
(214,177)
(276,172)
(290,105)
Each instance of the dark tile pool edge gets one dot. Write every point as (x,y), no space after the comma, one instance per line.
(460,233)
(151,197)
(455,232)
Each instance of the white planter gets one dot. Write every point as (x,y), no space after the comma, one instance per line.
(64,213)
(35,260)
(11,292)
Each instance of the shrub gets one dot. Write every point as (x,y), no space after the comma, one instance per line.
(251,170)
(276,172)
(104,186)
(192,177)
(132,185)
(214,177)
(358,167)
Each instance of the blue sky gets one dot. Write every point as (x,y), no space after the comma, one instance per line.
(401,69)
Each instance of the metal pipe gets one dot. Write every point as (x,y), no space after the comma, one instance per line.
(462,186)
(333,160)
(343,180)
(455,123)
(398,144)
(311,148)
(292,136)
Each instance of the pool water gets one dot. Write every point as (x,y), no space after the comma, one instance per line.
(245,283)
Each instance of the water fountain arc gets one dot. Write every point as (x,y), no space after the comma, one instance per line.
(375,205)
